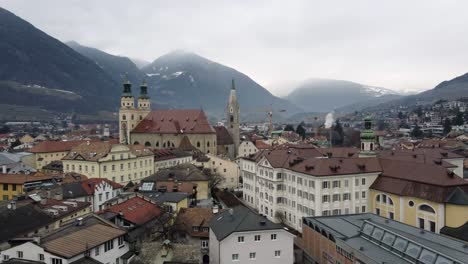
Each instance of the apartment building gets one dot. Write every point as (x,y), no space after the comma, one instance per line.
(116,162)
(285,187)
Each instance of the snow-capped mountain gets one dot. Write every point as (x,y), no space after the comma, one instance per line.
(327,94)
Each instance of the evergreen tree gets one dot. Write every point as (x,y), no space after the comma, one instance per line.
(288,127)
(447,126)
(458,120)
(301,130)
(338,135)
(417,132)
(419,111)
(400,115)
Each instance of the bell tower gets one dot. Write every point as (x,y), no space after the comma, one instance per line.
(126,113)
(232,118)
(144,103)
(367,139)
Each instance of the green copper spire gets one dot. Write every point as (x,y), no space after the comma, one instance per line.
(144,90)
(127,91)
(367,133)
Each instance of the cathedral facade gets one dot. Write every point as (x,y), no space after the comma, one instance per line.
(179,128)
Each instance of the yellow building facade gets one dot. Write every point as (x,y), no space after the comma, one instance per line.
(10,190)
(423,195)
(118,163)
(410,210)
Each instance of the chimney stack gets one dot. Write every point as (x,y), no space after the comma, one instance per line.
(4,169)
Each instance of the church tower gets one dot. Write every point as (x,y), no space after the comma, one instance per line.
(144,103)
(126,113)
(232,119)
(367,139)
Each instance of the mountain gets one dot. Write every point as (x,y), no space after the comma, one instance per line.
(186,80)
(319,95)
(139,62)
(115,66)
(38,70)
(446,90)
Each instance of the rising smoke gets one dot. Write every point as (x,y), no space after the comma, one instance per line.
(329,120)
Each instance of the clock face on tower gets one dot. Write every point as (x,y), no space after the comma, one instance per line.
(231,110)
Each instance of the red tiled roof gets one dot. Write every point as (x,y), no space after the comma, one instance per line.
(89,185)
(336,166)
(419,172)
(22,178)
(137,210)
(194,217)
(188,121)
(260,144)
(55,146)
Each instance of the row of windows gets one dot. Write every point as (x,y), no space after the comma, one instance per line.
(241,239)
(337,183)
(6,188)
(253,255)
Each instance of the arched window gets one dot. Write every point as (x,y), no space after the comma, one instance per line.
(172,144)
(208,144)
(136,143)
(147,144)
(390,201)
(124,117)
(141,117)
(371,146)
(198,144)
(168,144)
(426,208)
(133,117)
(164,144)
(377,198)
(157,143)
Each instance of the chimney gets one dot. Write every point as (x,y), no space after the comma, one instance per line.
(4,169)
(215,209)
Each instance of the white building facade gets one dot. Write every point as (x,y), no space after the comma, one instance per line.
(284,195)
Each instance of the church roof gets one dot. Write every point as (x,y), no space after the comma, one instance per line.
(222,136)
(178,121)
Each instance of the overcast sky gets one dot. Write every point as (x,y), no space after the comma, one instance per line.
(398,44)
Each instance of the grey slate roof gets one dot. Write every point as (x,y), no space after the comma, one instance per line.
(351,230)
(26,218)
(86,260)
(162,197)
(460,232)
(458,196)
(242,219)
(182,172)
(73,190)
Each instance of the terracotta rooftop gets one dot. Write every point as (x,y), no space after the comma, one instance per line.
(137,210)
(55,146)
(166,154)
(22,178)
(179,121)
(188,218)
(335,166)
(418,172)
(94,151)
